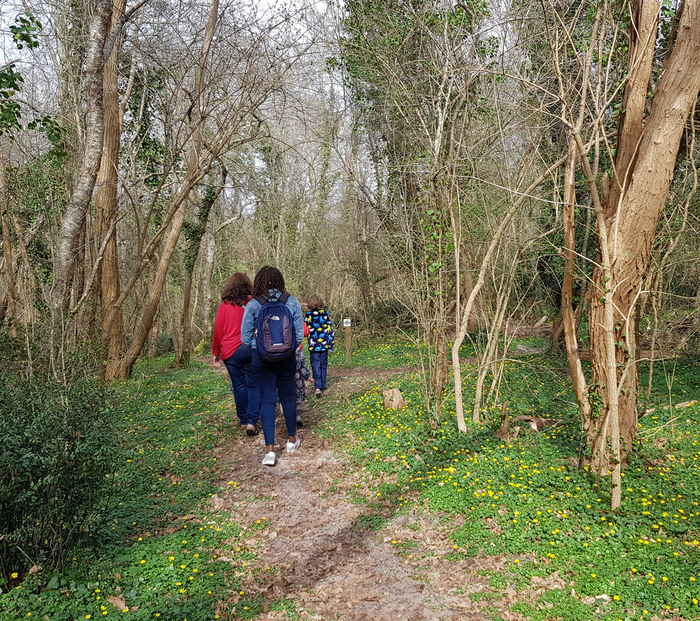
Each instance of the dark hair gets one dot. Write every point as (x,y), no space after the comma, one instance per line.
(268,277)
(237,290)
(315,302)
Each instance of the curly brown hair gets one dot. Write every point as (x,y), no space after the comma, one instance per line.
(268,277)
(315,302)
(237,290)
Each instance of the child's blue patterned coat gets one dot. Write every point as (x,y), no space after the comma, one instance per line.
(321,334)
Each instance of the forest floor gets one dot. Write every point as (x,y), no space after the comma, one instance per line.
(384,514)
(336,558)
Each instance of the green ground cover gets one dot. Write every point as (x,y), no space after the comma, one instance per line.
(157,549)
(530,500)
(155,552)
(392,351)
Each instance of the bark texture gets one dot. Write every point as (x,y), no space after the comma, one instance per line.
(194,243)
(568,318)
(643,172)
(113,336)
(209,244)
(74,215)
(7,247)
(182,357)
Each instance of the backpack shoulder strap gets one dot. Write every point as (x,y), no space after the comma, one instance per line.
(261,299)
(284,297)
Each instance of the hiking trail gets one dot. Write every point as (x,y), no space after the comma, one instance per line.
(330,563)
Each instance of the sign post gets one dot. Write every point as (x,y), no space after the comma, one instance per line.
(347,326)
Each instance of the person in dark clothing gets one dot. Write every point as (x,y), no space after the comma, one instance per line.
(274,378)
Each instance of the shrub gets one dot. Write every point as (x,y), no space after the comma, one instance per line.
(164,344)
(38,352)
(57,452)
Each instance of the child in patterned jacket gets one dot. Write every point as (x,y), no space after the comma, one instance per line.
(321,338)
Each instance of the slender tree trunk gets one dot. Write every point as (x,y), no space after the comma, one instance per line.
(22,246)
(74,215)
(11,314)
(464,314)
(567,310)
(27,289)
(368,265)
(205,206)
(209,244)
(143,328)
(113,336)
(557,332)
(76,276)
(493,344)
(194,243)
(154,342)
(182,357)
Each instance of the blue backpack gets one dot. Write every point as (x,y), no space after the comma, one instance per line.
(275,337)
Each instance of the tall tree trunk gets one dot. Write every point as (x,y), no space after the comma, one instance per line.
(183,356)
(194,243)
(74,215)
(644,167)
(29,309)
(205,205)
(568,318)
(78,277)
(7,248)
(113,338)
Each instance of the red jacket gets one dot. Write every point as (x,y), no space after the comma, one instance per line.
(227,330)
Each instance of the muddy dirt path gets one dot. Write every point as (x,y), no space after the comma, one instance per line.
(331,562)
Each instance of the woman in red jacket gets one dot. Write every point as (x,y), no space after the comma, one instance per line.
(227,346)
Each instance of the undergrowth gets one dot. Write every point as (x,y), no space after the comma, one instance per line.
(533,501)
(156,550)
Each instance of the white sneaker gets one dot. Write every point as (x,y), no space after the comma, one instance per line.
(291,447)
(270,459)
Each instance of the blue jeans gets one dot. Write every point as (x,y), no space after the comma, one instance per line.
(276,378)
(319,364)
(244,385)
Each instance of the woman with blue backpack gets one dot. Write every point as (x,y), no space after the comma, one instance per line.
(273,328)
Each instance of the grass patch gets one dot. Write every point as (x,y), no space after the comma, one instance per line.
(160,552)
(371,521)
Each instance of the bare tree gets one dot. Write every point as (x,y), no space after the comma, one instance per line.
(627,206)
(74,215)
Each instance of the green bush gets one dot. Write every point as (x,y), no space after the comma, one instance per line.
(37,353)
(57,455)
(164,344)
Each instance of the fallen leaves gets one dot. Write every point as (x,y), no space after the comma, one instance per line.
(117,601)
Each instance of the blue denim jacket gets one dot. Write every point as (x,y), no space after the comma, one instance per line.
(251,315)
